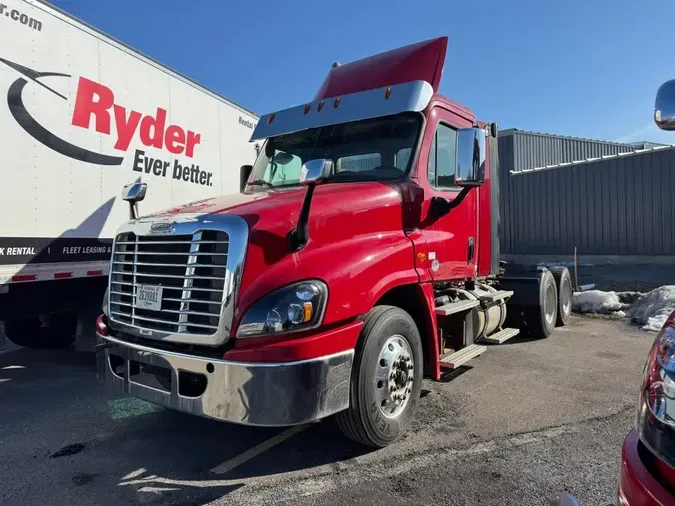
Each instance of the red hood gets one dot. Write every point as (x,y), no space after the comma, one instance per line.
(278,210)
(423,61)
(223,203)
(354,229)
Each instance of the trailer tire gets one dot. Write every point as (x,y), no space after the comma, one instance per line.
(540,319)
(563,281)
(388,343)
(31,333)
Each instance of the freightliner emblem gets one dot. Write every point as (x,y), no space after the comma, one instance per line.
(163,227)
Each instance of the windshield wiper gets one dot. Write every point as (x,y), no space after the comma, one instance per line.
(261,182)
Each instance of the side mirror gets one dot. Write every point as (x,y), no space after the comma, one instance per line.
(494,130)
(470,157)
(664,106)
(134,193)
(564,499)
(244,173)
(315,172)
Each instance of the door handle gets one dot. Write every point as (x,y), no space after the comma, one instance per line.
(471,250)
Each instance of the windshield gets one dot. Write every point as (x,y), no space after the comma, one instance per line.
(370,150)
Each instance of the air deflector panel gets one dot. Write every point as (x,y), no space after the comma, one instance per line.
(422,61)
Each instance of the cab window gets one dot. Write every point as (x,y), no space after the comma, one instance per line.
(441,166)
(283,169)
(358,163)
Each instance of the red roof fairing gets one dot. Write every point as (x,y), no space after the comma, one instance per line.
(421,61)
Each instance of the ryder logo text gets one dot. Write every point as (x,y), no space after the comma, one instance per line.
(96,109)
(97,101)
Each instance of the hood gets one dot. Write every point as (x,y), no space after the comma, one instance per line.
(223,203)
(279,209)
(342,215)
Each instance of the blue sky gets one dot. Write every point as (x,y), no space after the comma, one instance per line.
(582,68)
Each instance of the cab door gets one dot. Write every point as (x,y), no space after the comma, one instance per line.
(451,238)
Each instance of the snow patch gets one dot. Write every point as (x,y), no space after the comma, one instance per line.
(650,310)
(653,308)
(597,301)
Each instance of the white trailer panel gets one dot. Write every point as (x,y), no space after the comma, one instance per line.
(83,116)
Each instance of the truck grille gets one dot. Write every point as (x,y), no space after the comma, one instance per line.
(191,271)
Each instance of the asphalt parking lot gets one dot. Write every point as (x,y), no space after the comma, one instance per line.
(527,420)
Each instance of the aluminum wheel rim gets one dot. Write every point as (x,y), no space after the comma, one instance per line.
(394,376)
(566,295)
(550,303)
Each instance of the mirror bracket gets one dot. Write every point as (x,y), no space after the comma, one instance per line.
(298,237)
(312,173)
(441,206)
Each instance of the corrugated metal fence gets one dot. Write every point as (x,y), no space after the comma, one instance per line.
(621,205)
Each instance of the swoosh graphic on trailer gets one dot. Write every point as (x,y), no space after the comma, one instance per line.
(36,130)
(34,75)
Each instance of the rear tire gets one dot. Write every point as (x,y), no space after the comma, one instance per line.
(58,331)
(386,379)
(563,281)
(540,319)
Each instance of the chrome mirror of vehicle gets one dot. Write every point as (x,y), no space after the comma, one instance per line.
(314,172)
(564,499)
(664,106)
(134,193)
(470,157)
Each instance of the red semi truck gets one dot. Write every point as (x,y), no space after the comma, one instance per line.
(361,255)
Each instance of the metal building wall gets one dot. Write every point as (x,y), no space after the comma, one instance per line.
(533,149)
(521,150)
(617,206)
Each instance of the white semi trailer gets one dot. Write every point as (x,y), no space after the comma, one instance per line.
(81,116)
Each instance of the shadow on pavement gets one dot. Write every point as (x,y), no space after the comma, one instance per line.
(93,446)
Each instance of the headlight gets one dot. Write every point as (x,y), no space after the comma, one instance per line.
(656,406)
(105,302)
(299,306)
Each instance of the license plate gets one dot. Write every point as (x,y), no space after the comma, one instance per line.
(149,297)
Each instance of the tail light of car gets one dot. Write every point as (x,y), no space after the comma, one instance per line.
(655,421)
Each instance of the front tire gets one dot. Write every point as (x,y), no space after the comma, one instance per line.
(386,379)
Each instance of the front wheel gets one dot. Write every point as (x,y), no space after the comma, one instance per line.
(386,379)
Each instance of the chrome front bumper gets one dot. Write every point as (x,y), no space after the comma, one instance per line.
(262,394)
